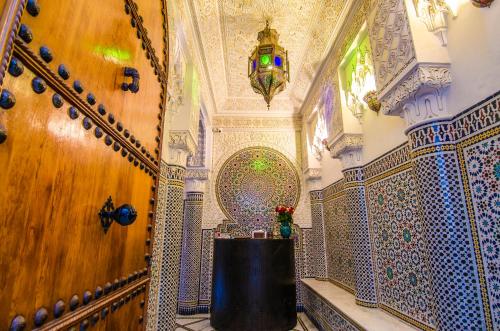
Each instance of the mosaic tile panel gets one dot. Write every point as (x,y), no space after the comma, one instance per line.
(171,255)
(447,232)
(189,281)
(309,252)
(338,241)
(390,160)
(470,122)
(299,266)
(156,261)
(361,248)
(318,255)
(207,255)
(252,182)
(398,247)
(323,314)
(482,162)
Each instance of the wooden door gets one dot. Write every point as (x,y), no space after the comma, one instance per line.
(78,131)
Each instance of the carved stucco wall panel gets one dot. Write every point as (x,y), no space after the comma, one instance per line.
(412,74)
(390,39)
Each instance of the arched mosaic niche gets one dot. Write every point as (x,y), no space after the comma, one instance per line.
(252,182)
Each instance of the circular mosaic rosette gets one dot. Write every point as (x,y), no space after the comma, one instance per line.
(252,182)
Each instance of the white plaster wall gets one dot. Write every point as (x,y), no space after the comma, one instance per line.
(381,133)
(331,170)
(474,49)
(229,141)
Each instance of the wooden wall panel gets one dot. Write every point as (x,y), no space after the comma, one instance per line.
(56,174)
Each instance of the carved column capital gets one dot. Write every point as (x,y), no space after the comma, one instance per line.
(196,180)
(420,96)
(197,173)
(312,177)
(311,174)
(348,148)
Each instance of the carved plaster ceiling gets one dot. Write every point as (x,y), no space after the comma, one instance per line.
(227,31)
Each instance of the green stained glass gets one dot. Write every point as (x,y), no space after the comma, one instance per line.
(259,165)
(265,59)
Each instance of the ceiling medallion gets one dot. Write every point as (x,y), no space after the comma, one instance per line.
(268,67)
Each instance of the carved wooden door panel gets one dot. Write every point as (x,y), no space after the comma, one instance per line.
(80,121)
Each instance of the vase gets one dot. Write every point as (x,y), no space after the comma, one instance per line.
(285,230)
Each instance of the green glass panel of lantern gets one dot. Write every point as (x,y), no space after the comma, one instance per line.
(265,59)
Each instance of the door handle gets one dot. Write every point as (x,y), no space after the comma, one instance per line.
(124,215)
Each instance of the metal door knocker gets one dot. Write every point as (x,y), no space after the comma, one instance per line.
(123,215)
(134,86)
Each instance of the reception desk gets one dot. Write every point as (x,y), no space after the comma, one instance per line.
(253,285)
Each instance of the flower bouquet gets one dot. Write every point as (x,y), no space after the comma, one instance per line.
(284,217)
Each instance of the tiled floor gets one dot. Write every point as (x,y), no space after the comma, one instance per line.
(202,323)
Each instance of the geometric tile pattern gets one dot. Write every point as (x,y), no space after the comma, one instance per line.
(317,245)
(447,234)
(441,146)
(324,314)
(340,265)
(474,120)
(299,265)
(398,247)
(189,280)
(309,252)
(482,162)
(433,213)
(361,248)
(389,160)
(157,249)
(207,255)
(252,182)
(171,255)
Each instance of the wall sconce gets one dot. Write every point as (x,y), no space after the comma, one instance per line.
(372,101)
(434,14)
(482,3)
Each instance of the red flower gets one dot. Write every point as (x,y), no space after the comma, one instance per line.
(280,209)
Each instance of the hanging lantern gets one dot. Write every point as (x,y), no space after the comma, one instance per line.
(268,67)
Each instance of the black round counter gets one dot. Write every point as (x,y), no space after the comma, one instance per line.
(253,285)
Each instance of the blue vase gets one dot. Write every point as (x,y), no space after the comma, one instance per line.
(285,230)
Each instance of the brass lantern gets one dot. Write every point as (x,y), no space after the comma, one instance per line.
(268,67)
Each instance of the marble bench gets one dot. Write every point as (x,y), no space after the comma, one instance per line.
(333,308)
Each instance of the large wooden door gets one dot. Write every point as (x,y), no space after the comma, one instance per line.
(74,138)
